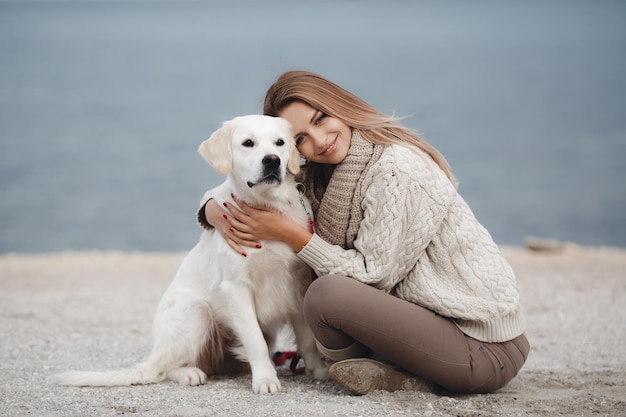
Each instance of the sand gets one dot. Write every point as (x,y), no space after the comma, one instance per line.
(93,311)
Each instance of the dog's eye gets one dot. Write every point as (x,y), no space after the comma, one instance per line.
(280,142)
(248,143)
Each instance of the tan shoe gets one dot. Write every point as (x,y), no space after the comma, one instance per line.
(361,376)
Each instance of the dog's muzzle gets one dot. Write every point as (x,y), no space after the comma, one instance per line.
(271,170)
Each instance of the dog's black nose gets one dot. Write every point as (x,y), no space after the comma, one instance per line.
(271,161)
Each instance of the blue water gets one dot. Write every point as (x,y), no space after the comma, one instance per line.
(103,105)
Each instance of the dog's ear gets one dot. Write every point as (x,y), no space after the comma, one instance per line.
(293,165)
(217,149)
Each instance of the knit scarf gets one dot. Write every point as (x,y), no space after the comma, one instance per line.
(338,204)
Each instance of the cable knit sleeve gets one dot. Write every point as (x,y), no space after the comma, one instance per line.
(405,200)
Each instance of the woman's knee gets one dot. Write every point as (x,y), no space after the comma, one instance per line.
(322,292)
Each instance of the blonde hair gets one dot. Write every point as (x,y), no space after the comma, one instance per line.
(331,99)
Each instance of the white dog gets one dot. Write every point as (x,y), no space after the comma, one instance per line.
(220,303)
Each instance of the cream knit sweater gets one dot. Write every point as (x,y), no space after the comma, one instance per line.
(420,241)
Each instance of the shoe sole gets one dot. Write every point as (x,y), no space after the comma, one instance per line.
(361,376)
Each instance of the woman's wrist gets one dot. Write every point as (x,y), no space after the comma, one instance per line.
(297,237)
(212,212)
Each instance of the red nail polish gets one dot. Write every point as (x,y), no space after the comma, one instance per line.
(225,205)
(231,230)
(258,246)
(226,217)
(232,195)
(244,254)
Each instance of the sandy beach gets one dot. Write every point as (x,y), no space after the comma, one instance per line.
(93,311)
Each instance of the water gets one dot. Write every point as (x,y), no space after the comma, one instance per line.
(103,105)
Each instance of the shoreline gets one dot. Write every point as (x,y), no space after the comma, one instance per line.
(93,310)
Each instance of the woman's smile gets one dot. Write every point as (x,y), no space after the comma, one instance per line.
(330,149)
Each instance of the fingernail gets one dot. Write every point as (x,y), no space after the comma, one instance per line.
(258,246)
(244,254)
(232,195)
(226,217)
(231,230)
(225,205)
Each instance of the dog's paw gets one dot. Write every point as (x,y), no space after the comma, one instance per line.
(187,376)
(316,367)
(266,385)
(320,371)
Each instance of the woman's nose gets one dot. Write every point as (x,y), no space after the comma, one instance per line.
(319,138)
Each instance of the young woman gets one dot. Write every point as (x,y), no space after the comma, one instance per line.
(406,272)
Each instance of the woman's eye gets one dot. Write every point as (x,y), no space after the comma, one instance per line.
(299,139)
(248,143)
(280,142)
(320,119)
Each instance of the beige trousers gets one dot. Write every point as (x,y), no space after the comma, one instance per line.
(341,310)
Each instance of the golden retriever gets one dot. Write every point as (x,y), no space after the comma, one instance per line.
(222,307)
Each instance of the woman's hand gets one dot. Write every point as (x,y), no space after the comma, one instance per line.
(253,224)
(220,219)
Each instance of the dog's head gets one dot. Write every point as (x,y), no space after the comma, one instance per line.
(254,149)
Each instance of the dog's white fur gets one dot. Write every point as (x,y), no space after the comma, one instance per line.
(221,304)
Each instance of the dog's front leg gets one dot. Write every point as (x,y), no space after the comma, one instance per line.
(246,326)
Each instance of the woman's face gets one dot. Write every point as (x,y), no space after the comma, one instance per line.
(319,137)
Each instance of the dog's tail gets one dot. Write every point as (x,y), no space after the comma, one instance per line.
(132,376)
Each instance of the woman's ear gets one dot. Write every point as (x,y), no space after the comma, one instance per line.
(217,149)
